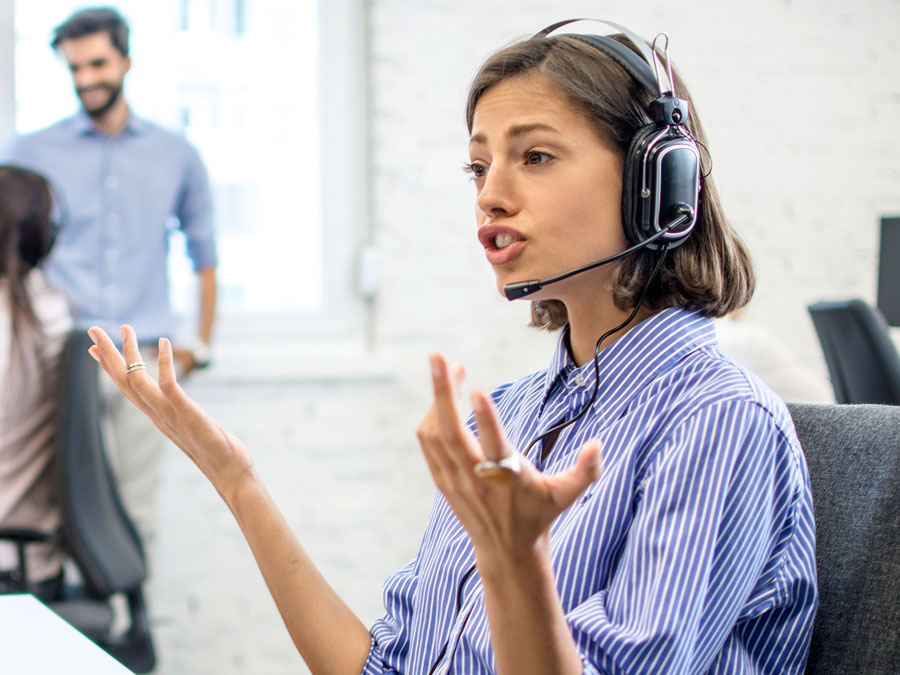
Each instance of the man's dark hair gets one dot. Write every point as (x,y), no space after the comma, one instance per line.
(90,21)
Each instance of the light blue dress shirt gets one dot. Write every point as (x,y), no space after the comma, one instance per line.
(120,199)
(694,552)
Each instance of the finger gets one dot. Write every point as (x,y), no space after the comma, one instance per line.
(566,486)
(148,392)
(434,461)
(490,432)
(130,349)
(109,353)
(446,423)
(173,409)
(444,383)
(445,408)
(94,351)
(139,380)
(445,453)
(112,361)
(167,378)
(457,377)
(168,384)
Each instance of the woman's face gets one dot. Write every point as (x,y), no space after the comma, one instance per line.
(549,187)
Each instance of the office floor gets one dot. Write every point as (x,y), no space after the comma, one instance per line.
(357,502)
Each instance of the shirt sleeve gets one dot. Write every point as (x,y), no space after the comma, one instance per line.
(390,634)
(708,509)
(195,212)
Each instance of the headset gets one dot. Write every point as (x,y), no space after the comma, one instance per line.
(661,183)
(36,239)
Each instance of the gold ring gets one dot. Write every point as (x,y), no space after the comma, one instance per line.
(501,471)
(137,365)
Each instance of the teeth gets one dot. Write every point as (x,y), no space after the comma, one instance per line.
(503,240)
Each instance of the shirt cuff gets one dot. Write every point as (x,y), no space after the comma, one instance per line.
(588,669)
(374,663)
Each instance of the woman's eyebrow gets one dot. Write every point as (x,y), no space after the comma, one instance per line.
(515,131)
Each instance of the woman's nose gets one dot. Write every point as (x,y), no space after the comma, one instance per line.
(497,192)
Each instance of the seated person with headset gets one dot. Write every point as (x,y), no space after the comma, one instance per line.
(640,505)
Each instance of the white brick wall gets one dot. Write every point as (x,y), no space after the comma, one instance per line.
(801,101)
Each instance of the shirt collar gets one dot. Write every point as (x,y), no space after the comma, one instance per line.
(636,357)
(82,125)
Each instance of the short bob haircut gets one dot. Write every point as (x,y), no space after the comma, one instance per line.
(90,21)
(711,271)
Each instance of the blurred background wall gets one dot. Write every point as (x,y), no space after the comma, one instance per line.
(801,103)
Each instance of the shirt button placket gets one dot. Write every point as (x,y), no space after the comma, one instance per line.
(110,244)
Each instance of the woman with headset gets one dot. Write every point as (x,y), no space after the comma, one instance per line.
(33,323)
(640,505)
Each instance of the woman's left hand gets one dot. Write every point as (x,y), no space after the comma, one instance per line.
(504,512)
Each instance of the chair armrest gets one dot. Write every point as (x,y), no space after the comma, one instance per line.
(25,535)
(16,581)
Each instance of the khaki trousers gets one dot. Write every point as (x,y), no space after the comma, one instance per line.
(134,447)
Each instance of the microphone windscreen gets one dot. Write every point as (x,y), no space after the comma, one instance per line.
(521,288)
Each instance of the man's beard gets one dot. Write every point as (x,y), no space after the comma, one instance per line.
(115,93)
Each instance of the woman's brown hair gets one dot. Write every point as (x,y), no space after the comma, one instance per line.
(27,232)
(711,271)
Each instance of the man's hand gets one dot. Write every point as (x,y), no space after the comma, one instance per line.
(184,359)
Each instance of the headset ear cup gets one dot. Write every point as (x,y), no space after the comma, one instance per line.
(35,241)
(667,165)
(631,186)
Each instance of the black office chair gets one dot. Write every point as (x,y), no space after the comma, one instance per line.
(97,534)
(853,453)
(861,359)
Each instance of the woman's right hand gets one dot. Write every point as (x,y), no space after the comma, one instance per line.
(325,630)
(223,458)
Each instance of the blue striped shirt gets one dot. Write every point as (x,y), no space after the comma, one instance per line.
(121,197)
(694,552)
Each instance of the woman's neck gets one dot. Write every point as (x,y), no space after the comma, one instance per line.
(588,324)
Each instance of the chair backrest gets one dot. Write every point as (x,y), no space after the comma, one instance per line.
(97,532)
(861,359)
(853,454)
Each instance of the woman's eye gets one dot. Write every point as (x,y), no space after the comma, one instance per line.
(535,157)
(475,170)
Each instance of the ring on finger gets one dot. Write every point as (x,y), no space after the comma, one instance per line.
(137,365)
(500,471)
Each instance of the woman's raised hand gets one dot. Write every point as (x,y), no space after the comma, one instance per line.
(220,456)
(510,505)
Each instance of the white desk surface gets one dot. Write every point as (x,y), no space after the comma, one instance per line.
(35,641)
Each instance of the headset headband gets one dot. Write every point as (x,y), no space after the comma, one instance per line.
(646,70)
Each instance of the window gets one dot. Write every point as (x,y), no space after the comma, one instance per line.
(243,80)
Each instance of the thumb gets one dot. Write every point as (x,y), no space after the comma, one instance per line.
(569,484)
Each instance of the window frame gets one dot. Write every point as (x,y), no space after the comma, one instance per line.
(346,228)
